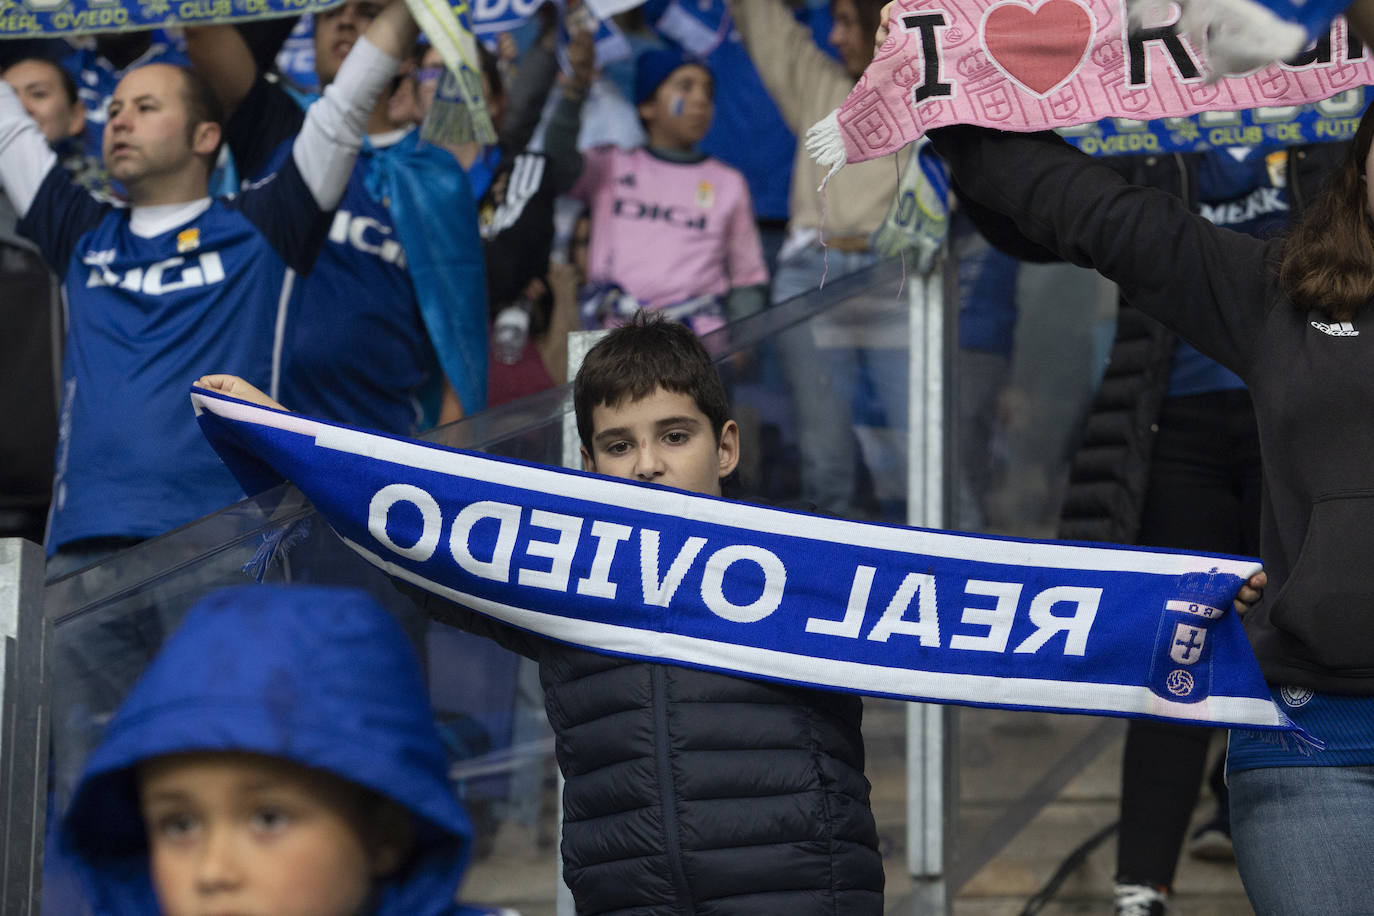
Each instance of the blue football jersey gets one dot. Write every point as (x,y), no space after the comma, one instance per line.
(146,318)
(357,350)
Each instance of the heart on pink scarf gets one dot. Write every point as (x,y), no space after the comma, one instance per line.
(1038,48)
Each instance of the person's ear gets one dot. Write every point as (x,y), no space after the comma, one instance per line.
(392,832)
(205,138)
(646,111)
(588,463)
(727,449)
(76,121)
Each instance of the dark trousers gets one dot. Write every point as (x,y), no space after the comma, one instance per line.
(1204,494)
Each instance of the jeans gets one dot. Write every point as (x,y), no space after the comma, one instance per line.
(824,373)
(1303,839)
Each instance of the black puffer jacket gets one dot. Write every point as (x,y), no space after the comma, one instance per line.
(690,793)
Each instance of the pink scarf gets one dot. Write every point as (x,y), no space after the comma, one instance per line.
(1055,63)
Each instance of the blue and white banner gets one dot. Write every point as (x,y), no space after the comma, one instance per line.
(611,44)
(648,572)
(491,17)
(37,18)
(1265,129)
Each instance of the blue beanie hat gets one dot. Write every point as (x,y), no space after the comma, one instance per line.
(654,66)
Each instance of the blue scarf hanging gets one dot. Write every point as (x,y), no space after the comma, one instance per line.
(664,575)
(436,219)
(435,213)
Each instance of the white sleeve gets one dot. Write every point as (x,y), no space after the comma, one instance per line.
(25,158)
(328,143)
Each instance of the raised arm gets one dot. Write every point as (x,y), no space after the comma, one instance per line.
(560,139)
(25,158)
(530,87)
(328,144)
(219,53)
(53,211)
(787,58)
(1212,286)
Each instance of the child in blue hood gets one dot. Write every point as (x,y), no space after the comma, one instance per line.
(277,758)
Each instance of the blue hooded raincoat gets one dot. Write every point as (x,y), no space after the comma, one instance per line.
(319,676)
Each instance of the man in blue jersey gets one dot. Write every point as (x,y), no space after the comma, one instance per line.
(173,286)
(402,254)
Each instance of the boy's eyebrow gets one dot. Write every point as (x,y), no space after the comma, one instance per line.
(684,420)
(615,432)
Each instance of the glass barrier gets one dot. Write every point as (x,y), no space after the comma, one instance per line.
(1031,344)
(820,388)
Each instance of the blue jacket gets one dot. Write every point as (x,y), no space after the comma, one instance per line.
(319,676)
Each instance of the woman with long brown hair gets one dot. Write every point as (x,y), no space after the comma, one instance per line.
(1291,317)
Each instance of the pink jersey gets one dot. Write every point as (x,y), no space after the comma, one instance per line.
(666,231)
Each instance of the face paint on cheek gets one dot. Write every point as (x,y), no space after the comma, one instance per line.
(677,106)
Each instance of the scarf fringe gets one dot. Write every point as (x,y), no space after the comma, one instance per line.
(1290,736)
(276,544)
(825,144)
(454,122)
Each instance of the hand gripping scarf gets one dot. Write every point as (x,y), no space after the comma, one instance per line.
(648,572)
(1058,63)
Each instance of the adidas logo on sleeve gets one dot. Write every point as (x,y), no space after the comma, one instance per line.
(1337,328)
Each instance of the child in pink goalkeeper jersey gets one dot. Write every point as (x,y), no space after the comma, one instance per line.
(672,229)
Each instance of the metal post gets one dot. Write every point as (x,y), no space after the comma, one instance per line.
(579,342)
(927,802)
(25,636)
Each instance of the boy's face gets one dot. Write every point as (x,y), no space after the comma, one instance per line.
(663,438)
(680,112)
(254,836)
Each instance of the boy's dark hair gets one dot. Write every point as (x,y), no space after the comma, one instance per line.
(648,353)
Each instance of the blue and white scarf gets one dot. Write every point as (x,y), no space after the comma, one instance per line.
(664,575)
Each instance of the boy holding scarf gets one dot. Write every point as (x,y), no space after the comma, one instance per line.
(686,788)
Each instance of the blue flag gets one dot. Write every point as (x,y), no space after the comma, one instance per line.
(648,572)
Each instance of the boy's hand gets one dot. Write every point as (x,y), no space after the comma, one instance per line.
(1251,592)
(236,387)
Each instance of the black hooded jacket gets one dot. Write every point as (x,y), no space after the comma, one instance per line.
(1309,379)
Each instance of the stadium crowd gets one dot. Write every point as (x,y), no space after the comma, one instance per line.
(187,203)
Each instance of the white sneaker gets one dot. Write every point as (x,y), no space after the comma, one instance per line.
(1139,900)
